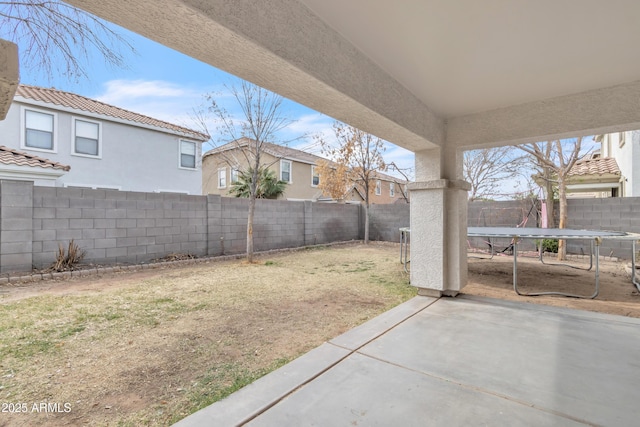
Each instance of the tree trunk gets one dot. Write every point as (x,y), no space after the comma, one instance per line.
(551,220)
(366,223)
(252,209)
(562,194)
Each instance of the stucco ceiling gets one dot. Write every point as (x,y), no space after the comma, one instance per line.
(465,56)
(420,73)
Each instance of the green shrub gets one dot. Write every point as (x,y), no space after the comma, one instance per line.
(550,245)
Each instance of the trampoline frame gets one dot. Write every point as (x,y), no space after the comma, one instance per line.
(595,237)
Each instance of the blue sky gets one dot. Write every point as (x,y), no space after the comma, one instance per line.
(167,85)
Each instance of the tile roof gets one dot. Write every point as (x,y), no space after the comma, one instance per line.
(597,166)
(78,102)
(9,156)
(269,148)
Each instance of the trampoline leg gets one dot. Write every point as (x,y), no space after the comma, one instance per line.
(515,265)
(634,279)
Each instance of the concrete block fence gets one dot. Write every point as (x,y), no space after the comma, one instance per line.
(612,214)
(120,227)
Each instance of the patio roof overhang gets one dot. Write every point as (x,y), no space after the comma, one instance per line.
(420,73)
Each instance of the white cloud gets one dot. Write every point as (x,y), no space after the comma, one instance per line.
(163,100)
(176,103)
(119,91)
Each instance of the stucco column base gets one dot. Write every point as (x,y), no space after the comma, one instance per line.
(438,236)
(436,294)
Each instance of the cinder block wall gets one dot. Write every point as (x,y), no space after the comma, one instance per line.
(131,227)
(386,221)
(117,226)
(613,213)
(510,213)
(16,232)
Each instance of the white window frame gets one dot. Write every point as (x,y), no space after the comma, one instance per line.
(378,190)
(23,130)
(73,141)
(290,180)
(235,175)
(195,155)
(314,174)
(222,183)
(392,189)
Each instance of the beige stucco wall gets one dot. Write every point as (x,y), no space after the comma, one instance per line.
(9,75)
(299,188)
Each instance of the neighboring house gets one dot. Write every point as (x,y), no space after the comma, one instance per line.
(609,172)
(220,168)
(20,166)
(105,146)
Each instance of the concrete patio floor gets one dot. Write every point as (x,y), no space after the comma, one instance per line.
(453,361)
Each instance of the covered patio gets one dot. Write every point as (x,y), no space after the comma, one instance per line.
(499,363)
(435,77)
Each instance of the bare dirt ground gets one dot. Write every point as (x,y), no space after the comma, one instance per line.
(148,348)
(494,278)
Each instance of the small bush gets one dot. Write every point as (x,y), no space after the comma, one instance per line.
(69,259)
(550,245)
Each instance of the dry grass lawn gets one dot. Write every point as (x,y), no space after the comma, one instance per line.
(151,347)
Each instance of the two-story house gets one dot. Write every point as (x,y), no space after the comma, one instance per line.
(103,145)
(220,168)
(613,171)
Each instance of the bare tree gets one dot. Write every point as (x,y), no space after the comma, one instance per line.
(55,37)
(488,168)
(554,160)
(261,121)
(359,154)
(545,155)
(407,174)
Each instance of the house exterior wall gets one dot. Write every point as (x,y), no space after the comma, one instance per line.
(625,148)
(9,75)
(633,185)
(132,158)
(300,188)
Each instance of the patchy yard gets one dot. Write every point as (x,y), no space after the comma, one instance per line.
(149,348)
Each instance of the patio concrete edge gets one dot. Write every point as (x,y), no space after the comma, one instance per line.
(252,400)
(368,331)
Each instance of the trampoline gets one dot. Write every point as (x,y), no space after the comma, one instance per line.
(516,234)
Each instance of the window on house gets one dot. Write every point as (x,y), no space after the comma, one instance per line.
(285,171)
(234,175)
(378,187)
(38,130)
(392,189)
(187,154)
(222,178)
(87,138)
(315,177)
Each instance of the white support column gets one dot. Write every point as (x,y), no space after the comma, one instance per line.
(439,223)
